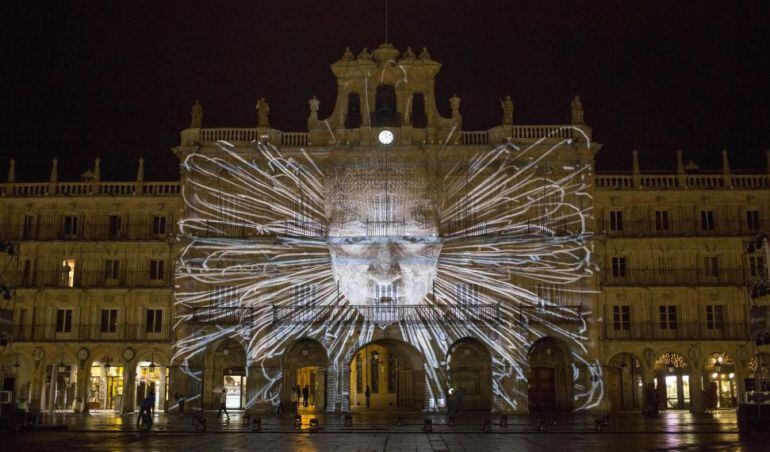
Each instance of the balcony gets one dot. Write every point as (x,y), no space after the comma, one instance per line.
(102,231)
(679,228)
(36,189)
(477,313)
(675,277)
(683,331)
(88,279)
(553,315)
(89,332)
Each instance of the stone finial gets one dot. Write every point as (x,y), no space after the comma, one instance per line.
(54,171)
(263,110)
(196,116)
(576,112)
(424,55)
(348,55)
(767,156)
(12,171)
(97,169)
(364,55)
(314,103)
(726,178)
(679,162)
(507,105)
(454,104)
(636,173)
(408,54)
(140,171)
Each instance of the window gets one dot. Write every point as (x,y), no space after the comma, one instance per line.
(70,225)
(26,273)
(305,294)
(618,267)
(353,117)
(621,317)
(757,266)
(468,378)
(67,278)
(157,270)
(711,266)
(159,225)
(64,320)
(385,111)
(616,220)
(715,317)
(707,220)
(374,369)
(109,320)
(752,220)
(385,293)
(467,294)
(115,225)
(111,269)
(154,321)
(661,220)
(668,317)
(28,227)
(549,294)
(419,118)
(359,374)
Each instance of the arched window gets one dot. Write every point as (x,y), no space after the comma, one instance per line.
(419,118)
(353,118)
(385,108)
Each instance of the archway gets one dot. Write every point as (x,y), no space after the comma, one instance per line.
(625,382)
(152,379)
(229,365)
(387,375)
(549,387)
(672,381)
(759,379)
(353,116)
(721,387)
(385,107)
(305,367)
(105,385)
(59,390)
(16,371)
(469,367)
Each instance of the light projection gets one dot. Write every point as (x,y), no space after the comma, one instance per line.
(424,245)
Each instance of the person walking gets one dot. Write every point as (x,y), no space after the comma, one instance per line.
(305,395)
(298,390)
(181,404)
(223,404)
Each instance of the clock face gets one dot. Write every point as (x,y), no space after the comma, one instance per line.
(385,137)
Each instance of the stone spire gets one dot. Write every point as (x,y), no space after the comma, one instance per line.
(680,176)
(576,112)
(507,105)
(196,116)
(726,178)
(54,171)
(97,169)
(636,173)
(263,111)
(140,171)
(12,171)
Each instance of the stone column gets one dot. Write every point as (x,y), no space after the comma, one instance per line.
(161,395)
(697,404)
(129,389)
(84,375)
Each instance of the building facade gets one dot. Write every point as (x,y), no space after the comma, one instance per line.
(385,259)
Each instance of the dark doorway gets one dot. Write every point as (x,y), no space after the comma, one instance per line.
(419,118)
(542,389)
(385,108)
(353,117)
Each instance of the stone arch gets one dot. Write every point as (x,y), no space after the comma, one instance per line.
(386,106)
(353,118)
(104,386)
(673,374)
(469,366)
(721,381)
(418,116)
(625,373)
(550,383)
(394,372)
(57,372)
(225,366)
(23,374)
(305,363)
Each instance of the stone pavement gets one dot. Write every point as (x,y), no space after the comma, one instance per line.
(380,431)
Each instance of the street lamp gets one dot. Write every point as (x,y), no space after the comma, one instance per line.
(152,363)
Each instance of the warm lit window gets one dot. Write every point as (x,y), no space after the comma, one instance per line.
(621,317)
(661,220)
(64,320)
(67,278)
(668,320)
(616,220)
(618,267)
(109,321)
(154,322)
(715,318)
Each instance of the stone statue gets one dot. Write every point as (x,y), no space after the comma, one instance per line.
(577,112)
(365,55)
(314,103)
(348,55)
(408,54)
(507,105)
(454,104)
(196,115)
(263,110)
(424,55)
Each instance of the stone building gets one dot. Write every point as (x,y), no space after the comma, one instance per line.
(385,259)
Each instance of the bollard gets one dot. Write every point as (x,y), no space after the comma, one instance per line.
(246,418)
(487,426)
(256,424)
(451,421)
(298,421)
(541,425)
(598,424)
(314,426)
(399,421)
(348,420)
(504,421)
(427,426)
(553,420)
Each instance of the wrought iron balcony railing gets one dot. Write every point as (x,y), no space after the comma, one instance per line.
(90,332)
(86,230)
(682,331)
(672,228)
(481,313)
(674,277)
(88,279)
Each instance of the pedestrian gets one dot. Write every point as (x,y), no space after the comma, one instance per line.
(368,395)
(299,395)
(223,404)
(181,404)
(305,395)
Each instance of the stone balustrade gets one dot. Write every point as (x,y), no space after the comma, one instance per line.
(90,188)
(680,181)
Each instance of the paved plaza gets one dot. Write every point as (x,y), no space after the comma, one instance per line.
(381,432)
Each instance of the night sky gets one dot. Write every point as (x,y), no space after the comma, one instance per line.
(117,79)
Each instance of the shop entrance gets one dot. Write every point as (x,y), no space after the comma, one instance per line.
(310,382)
(305,366)
(105,387)
(549,388)
(235,384)
(672,382)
